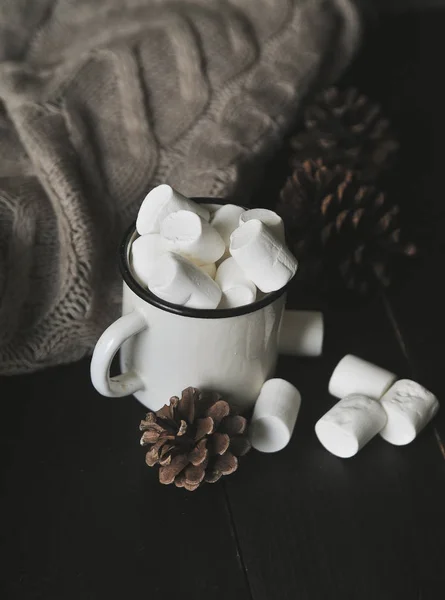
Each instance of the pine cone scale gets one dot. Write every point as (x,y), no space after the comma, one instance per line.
(149,437)
(212,476)
(191,487)
(235,425)
(218,411)
(152,457)
(194,475)
(204,427)
(226,464)
(199,453)
(165,460)
(168,473)
(167,411)
(182,428)
(186,407)
(180,480)
(220,443)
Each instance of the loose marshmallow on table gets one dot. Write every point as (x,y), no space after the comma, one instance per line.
(186,233)
(350,424)
(409,407)
(226,220)
(301,333)
(354,375)
(177,280)
(237,288)
(145,251)
(267,217)
(274,415)
(160,202)
(262,257)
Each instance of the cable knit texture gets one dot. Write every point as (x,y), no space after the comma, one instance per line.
(100,100)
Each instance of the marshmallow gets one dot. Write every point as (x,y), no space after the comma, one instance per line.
(267,217)
(188,234)
(145,251)
(226,220)
(301,333)
(159,203)
(409,407)
(177,280)
(236,296)
(350,424)
(237,289)
(209,269)
(262,257)
(229,275)
(274,415)
(354,375)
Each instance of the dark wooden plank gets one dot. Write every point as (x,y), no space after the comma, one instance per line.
(312,526)
(418,311)
(83,517)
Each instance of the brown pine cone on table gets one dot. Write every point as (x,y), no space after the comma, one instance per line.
(346,235)
(344,127)
(195,439)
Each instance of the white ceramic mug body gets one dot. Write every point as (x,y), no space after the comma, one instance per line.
(166,348)
(231,355)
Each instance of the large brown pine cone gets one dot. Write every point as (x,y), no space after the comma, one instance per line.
(344,234)
(195,439)
(344,127)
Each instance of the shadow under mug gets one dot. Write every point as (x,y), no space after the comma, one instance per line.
(165,348)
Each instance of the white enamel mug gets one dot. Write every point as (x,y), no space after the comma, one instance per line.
(165,348)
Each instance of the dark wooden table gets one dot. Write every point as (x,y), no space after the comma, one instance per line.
(83,518)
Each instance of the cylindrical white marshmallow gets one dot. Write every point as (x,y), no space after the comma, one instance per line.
(145,251)
(177,280)
(353,375)
(409,407)
(350,424)
(237,289)
(226,220)
(274,415)
(186,233)
(160,202)
(239,295)
(210,269)
(262,257)
(268,217)
(229,275)
(301,333)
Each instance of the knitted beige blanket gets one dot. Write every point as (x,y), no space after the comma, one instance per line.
(100,100)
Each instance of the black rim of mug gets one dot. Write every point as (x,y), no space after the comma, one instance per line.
(185,311)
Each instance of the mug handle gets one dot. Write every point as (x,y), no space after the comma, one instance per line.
(108,344)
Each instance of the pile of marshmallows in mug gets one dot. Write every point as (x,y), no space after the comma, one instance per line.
(211,256)
(208,256)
